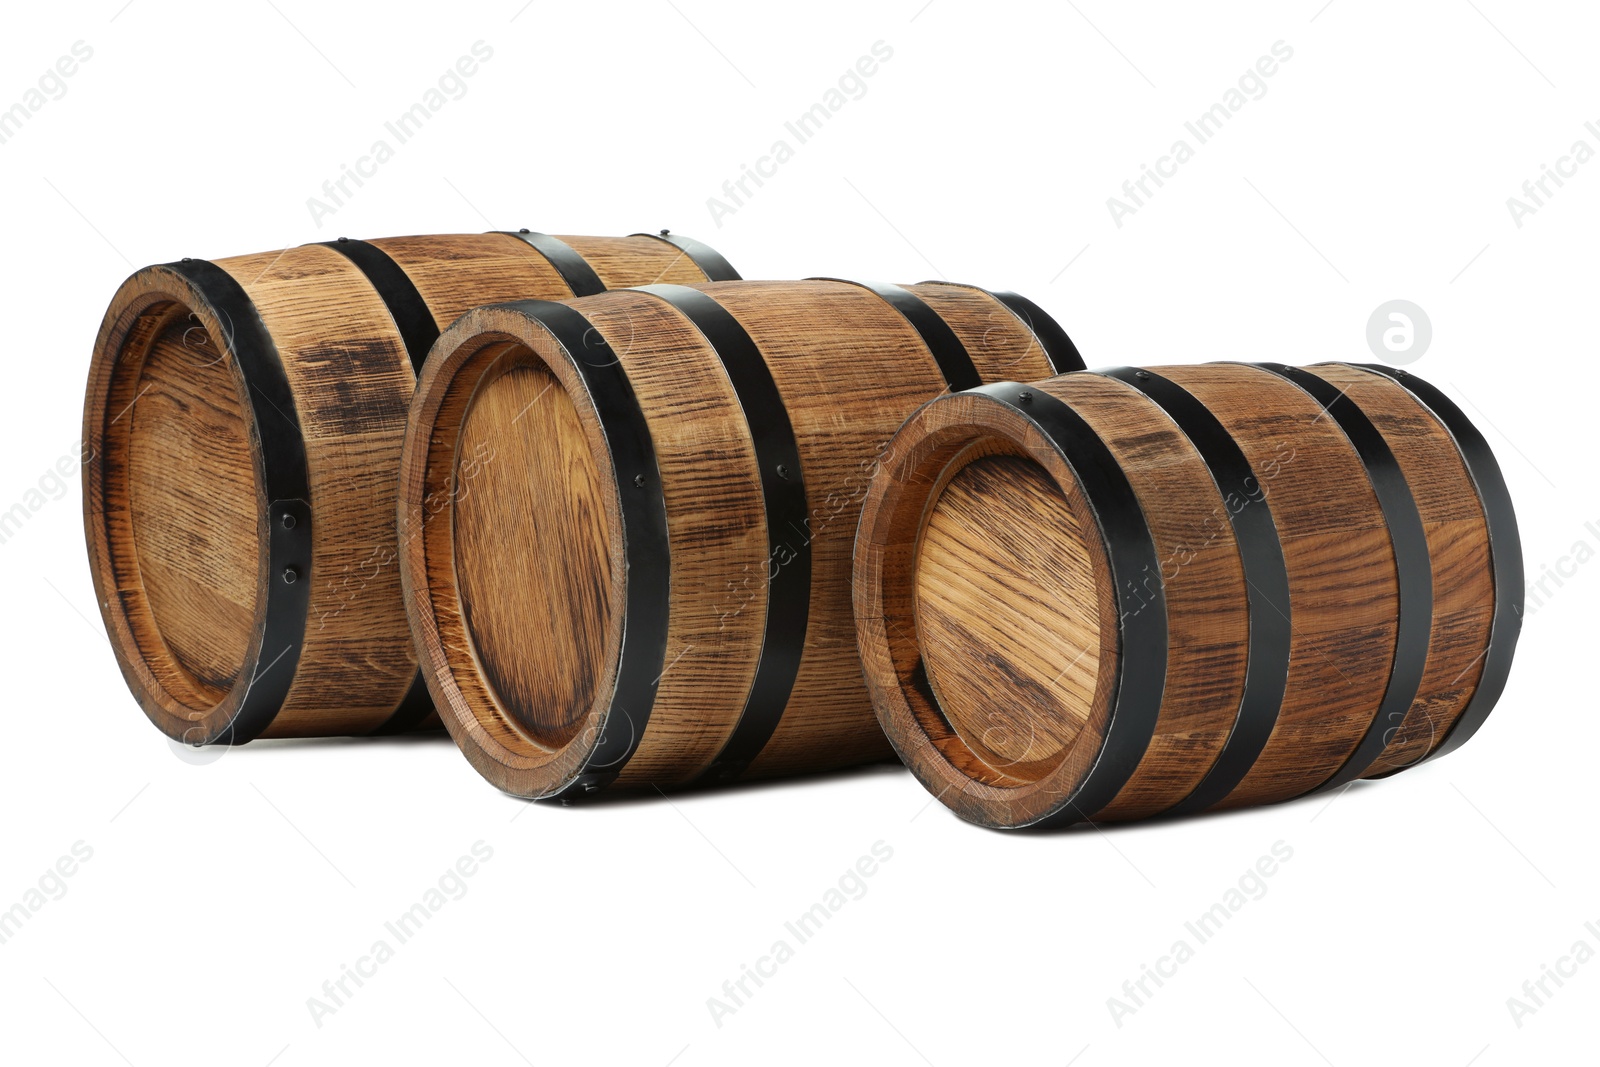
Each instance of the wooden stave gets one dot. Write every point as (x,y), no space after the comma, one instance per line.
(799,735)
(407,336)
(1481,494)
(1356,767)
(1220,698)
(1260,553)
(495,760)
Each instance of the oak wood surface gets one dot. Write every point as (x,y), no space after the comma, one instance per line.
(848,368)
(1002,566)
(193,505)
(175,506)
(1343,587)
(1458,548)
(1208,622)
(972,589)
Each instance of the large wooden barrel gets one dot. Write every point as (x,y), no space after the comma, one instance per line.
(1127,593)
(242,430)
(626,520)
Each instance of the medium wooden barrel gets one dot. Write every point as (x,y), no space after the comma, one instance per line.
(626,520)
(1127,593)
(242,430)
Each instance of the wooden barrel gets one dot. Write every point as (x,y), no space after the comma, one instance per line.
(242,430)
(1126,593)
(626,520)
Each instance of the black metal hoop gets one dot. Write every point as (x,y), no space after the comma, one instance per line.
(1266,582)
(1505,549)
(646,548)
(948,351)
(1059,350)
(573,268)
(1413,564)
(783,493)
(399,294)
(287,480)
(1141,668)
(702,255)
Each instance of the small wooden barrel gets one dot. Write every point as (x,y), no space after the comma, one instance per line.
(1127,593)
(242,429)
(626,520)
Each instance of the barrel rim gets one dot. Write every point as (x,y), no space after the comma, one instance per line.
(1127,548)
(1266,582)
(285,515)
(598,756)
(787,508)
(1505,548)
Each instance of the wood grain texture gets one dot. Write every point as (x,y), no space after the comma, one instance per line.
(717,532)
(1208,622)
(505,742)
(174,504)
(455,272)
(1343,586)
(530,546)
(848,368)
(156,324)
(983,555)
(905,581)
(351,387)
(626,261)
(193,505)
(1458,547)
(1001,345)
(531,584)
(1002,566)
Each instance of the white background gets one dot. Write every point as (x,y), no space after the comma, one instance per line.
(1377,166)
